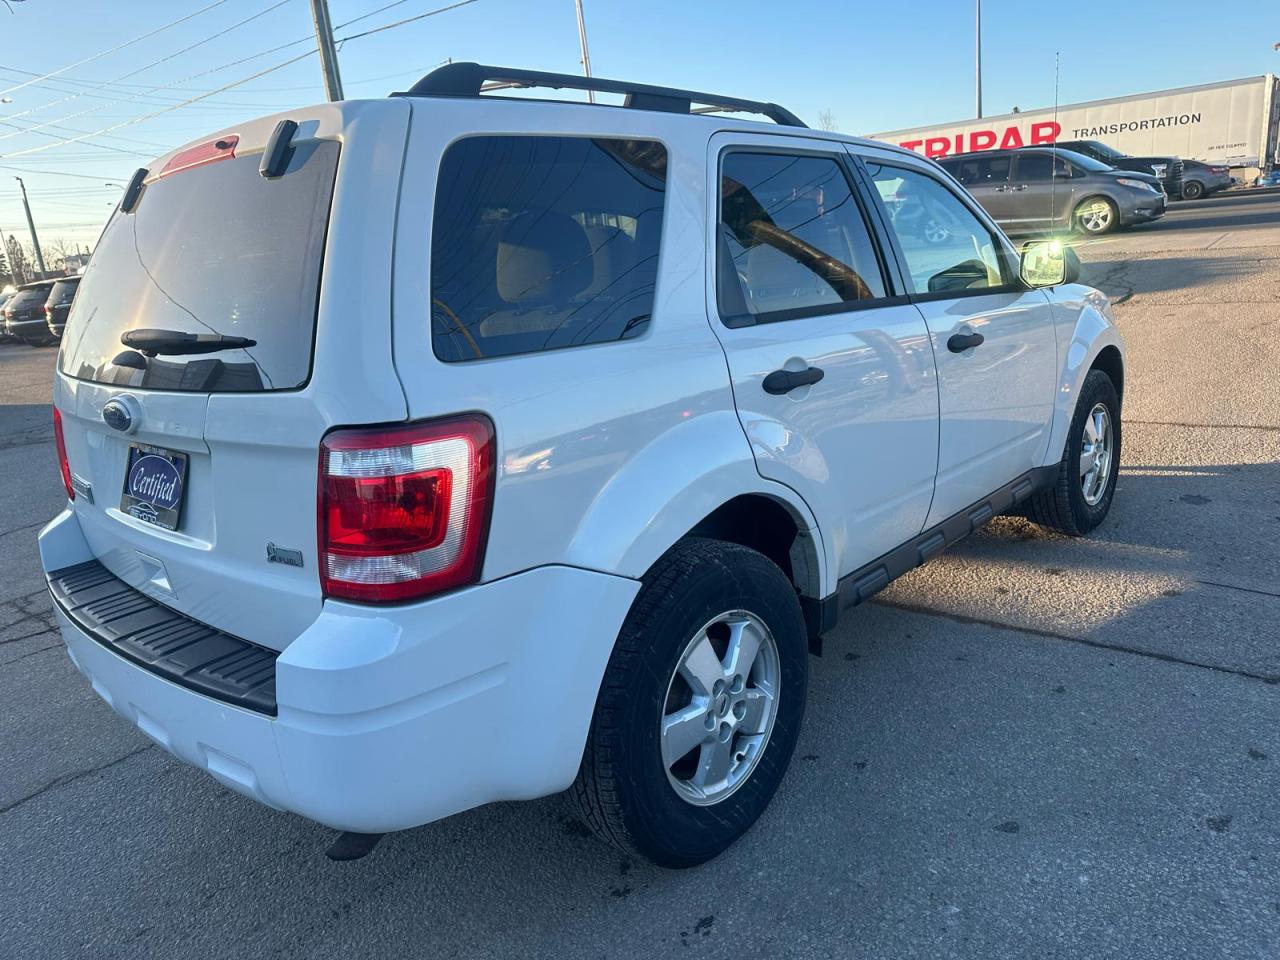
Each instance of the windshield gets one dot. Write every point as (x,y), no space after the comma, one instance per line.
(1083,162)
(217,249)
(1100,148)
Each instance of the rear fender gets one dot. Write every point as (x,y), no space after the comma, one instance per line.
(667,488)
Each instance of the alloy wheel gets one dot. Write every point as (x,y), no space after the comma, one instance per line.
(1096,217)
(720,706)
(1095,455)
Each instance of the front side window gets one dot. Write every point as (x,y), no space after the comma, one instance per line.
(946,247)
(793,237)
(540,243)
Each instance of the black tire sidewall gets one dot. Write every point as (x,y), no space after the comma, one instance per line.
(1097,388)
(668,829)
(1196,191)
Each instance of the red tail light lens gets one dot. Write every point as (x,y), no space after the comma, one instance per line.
(404,511)
(62,454)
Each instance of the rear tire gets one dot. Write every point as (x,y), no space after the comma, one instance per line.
(1079,500)
(1191,190)
(683,812)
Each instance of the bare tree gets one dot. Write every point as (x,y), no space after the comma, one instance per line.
(827,120)
(17,260)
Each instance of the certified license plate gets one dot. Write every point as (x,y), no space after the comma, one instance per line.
(155,480)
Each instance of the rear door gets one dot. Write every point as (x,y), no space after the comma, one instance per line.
(995,393)
(832,370)
(986,177)
(196,472)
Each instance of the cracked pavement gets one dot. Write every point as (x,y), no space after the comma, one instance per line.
(1033,746)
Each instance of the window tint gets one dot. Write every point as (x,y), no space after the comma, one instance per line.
(1035,168)
(946,247)
(544,242)
(980,171)
(793,234)
(213,249)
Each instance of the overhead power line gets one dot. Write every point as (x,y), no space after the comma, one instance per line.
(261,73)
(119,46)
(155,63)
(156,113)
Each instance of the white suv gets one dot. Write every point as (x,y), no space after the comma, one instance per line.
(450,448)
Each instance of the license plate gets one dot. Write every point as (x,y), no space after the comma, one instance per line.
(154,483)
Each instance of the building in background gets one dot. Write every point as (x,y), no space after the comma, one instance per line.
(1233,122)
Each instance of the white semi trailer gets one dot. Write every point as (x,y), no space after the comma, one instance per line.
(1233,123)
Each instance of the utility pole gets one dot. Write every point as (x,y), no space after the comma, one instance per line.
(31,225)
(328,52)
(582,41)
(978,58)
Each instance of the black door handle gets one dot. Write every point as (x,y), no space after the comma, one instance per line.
(960,342)
(784,381)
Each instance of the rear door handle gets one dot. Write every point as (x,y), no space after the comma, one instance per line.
(784,381)
(960,342)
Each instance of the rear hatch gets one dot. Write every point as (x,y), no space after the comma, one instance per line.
(211,345)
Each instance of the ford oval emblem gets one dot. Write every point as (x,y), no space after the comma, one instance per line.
(118,415)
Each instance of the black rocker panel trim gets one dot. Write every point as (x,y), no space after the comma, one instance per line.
(862,584)
(169,644)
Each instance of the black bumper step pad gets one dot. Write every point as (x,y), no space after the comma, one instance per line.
(164,641)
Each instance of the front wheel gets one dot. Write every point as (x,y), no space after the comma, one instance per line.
(700,707)
(1081,497)
(1096,216)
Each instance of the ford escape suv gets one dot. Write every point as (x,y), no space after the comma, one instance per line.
(450,448)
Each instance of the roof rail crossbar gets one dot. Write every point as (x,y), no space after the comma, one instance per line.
(469,79)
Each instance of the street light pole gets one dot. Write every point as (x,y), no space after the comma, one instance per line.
(582,42)
(978,57)
(31,225)
(328,52)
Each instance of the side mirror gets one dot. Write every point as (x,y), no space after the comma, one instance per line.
(1073,266)
(1043,263)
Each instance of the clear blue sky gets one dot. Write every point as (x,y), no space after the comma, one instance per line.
(875,66)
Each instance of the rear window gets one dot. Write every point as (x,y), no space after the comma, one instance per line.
(63,291)
(216,249)
(29,296)
(540,243)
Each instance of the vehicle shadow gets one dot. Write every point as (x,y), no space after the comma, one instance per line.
(1124,279)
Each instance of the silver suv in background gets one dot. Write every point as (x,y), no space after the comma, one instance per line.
(1044,188)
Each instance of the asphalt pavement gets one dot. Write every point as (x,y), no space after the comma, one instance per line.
(1032,747)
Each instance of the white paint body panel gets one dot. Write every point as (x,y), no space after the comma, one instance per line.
(606,456)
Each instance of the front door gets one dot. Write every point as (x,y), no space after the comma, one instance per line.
(993,338)
(831,366)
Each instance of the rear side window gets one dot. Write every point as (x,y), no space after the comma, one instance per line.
(979,171)
(540,243)
(214,249)
(792,238)
(1035,168)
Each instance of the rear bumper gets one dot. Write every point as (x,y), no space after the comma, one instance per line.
(390,717)
(36,326)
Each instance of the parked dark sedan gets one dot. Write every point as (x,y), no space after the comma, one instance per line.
(58,305)
(24,313)
(1203,179)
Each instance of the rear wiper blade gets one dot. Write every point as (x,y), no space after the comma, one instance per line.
(155,342)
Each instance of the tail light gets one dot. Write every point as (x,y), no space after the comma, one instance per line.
(62,454)
(404,511)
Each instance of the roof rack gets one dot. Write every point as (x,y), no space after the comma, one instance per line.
(469,79)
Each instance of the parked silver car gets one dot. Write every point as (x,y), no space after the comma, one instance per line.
(1043,188)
